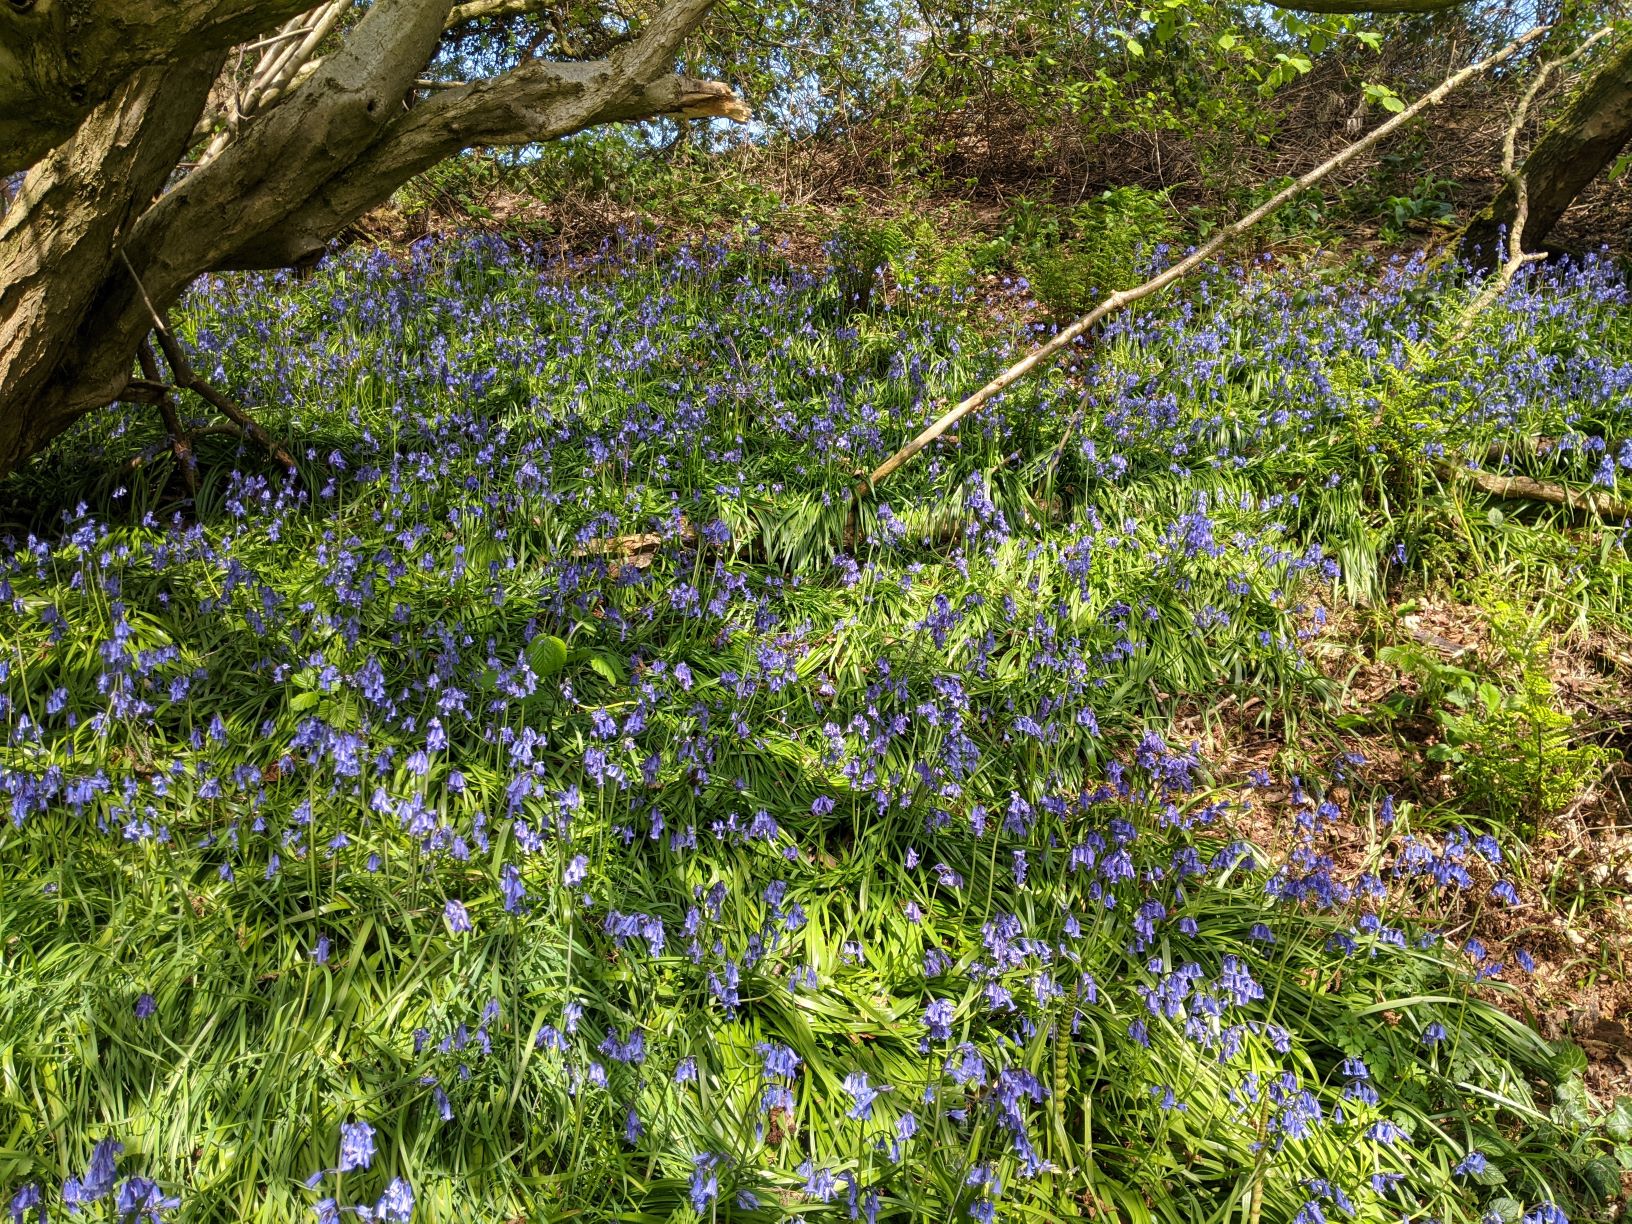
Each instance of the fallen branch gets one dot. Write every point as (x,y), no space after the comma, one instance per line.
(1198,257)
(1526,488)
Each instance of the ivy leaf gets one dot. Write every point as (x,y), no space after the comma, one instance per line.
(1618,1121)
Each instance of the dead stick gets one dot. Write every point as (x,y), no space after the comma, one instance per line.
(181,446)
(1525,488)
(1514,176)
(1189,263)
(181,371)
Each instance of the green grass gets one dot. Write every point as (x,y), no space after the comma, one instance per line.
(220,752)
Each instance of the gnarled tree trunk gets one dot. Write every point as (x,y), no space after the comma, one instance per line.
(1574,150)
(111,224)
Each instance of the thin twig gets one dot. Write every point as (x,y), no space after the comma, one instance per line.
(181,371)
(1514,176)
(181,446)
(1118,301)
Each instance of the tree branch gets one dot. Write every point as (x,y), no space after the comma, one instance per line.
(536,101)
(292,151)
(481,10)
(1575,148)
(1518,185)
(1367,6)
(1119,301)
(182,371)
(1526,488)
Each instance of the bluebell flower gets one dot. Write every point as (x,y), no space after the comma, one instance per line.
(23,1201)
(1471,1165)
(99,1177)
(862,1094)
(138,1198)
(356,1146)
(396,1205)
(457,919)
(1384,1131)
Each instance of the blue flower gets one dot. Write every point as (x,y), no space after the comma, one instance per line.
(140,1197)
(396,1205)
(458,920)
(99,1177)
(1472,1164)
(23,1201)
(862,1094)
(356,1146)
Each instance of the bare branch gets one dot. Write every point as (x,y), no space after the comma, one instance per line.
(536,101)
(480,10)
(1518,183)
(1574,150)
(182,371)
(1367,6)
(290,152)
(1118,301)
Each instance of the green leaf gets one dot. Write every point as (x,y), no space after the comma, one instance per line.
(1567,1059)
(1603,1179)
(1618,1121)
(607,667)
(546,655)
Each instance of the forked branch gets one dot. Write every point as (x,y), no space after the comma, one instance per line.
(184,376)
(1515,257)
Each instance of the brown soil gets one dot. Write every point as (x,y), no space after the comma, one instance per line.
(1574,878)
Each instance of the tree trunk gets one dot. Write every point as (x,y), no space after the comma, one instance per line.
(105,226)
(60,61)
(58,244)
(1574,150)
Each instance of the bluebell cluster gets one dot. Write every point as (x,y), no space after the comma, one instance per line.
(822,870)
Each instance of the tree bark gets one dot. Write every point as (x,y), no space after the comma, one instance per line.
(61,59)
(57,244)
(1575,149)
